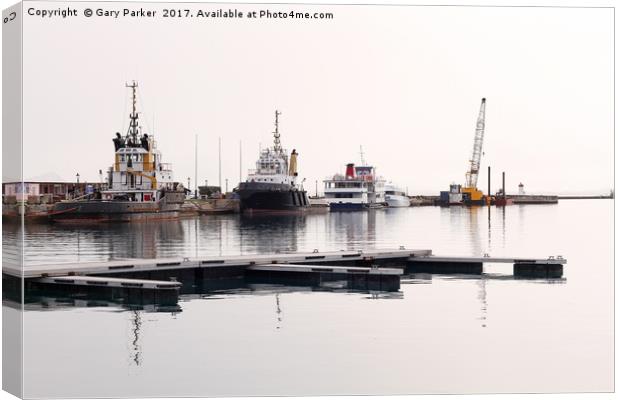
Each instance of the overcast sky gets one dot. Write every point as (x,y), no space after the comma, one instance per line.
(403,82)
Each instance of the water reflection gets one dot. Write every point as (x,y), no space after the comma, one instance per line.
(482,296)
(242,234)
(136,322)
(66,243)
(355,228)
(57,303)
(12,246)
(270,233)
(278,312)
(377,295)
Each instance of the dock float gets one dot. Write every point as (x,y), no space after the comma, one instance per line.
(134,290)
(109,282)
(162,280)
(359,278)
(218,265)
(551,267)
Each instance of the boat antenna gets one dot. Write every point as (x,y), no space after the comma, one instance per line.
(362,156)
(133,125)
(277,147)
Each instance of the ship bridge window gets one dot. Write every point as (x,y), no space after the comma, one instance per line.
(342,185)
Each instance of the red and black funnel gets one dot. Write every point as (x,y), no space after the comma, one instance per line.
(350,174)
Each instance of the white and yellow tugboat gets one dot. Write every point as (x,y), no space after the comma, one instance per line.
(140,186)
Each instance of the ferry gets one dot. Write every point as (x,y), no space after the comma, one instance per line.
(358,189)
(272,186)
(396,197)
(139,185)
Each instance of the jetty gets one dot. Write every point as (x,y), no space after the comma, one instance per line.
(161,280)
(586,197)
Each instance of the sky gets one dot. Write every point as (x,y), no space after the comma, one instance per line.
(405,83)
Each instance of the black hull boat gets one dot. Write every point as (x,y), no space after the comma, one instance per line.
(272,186)
(256,197)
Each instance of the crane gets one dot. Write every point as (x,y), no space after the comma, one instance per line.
(471,194)
(471,177)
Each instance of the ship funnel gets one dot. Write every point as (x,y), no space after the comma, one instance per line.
(350,174)
(293,164)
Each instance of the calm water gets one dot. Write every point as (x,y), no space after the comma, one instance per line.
(438,334)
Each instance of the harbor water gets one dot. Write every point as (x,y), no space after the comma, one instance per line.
(437,334)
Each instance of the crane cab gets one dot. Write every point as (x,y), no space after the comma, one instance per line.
(472,195)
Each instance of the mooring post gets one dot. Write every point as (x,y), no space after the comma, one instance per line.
(489,183)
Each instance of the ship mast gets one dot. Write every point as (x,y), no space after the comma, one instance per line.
(133,125)
(362,156)
(277,147)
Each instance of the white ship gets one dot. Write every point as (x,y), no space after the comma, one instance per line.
(395,196)
(358,189)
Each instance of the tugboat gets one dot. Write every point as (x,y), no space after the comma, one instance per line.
(139,185)
(358,189)
(272,186)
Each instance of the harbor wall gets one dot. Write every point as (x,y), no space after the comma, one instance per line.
(209,206)
(532,199)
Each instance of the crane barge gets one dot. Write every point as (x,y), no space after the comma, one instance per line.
(469,194)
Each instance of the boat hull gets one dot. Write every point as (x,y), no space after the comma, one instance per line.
(503,201)
(397,201)
(116,210)
(266,197)
(348,206)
